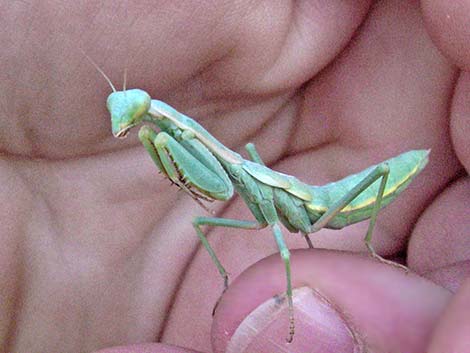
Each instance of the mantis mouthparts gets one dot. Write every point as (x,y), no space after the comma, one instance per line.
(122,134)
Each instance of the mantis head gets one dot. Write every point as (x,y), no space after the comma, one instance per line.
(127,109)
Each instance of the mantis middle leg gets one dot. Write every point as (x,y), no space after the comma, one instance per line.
(255,157)
(285,255)
(252,225)
(221,222)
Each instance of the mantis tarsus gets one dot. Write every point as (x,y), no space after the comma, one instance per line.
(203,167)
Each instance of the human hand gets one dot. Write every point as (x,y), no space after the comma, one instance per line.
(98,250)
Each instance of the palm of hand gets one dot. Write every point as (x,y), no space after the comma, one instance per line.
(96,246)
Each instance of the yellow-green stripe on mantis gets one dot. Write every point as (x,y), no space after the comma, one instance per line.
(203,167)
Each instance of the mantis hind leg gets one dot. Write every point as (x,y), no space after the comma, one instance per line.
(380,172)
(373,218)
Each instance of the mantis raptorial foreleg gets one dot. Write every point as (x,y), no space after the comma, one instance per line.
(253,153)
(380,172)
(168,155)
(147,136)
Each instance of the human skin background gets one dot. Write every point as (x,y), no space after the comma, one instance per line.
(98,250)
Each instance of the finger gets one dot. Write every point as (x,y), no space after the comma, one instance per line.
(451,334)
(355,302)
(460,119)
(447,22)
(440,238)
(146,348)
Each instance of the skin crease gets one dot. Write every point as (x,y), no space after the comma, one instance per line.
(98,250)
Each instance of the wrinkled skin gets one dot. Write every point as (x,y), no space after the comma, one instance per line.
(98,249)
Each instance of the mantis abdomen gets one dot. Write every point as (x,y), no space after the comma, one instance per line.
(403,169)
(299,205)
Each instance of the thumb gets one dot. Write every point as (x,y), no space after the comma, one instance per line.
(342,301)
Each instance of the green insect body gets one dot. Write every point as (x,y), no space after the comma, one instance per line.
(207,170)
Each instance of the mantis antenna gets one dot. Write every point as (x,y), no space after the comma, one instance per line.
(125,80)
(99,70)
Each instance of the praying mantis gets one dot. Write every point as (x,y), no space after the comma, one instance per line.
(204,168)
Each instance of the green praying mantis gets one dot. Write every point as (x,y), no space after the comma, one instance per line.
(204,168)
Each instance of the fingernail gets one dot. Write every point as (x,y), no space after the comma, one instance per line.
(318,327)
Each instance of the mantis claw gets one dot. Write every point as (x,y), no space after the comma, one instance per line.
(379,258)
(218,300)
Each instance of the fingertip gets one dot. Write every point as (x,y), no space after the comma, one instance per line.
(318,327)
(253,314)
(341,298)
